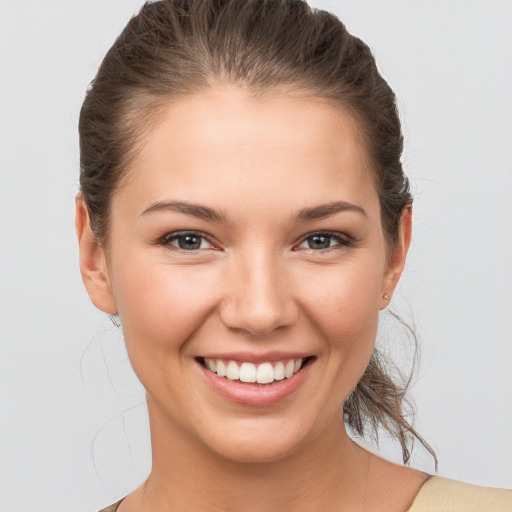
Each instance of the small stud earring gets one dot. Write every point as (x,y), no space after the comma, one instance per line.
(387,296)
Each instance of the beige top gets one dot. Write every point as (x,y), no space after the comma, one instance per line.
(440,494)
(444,495)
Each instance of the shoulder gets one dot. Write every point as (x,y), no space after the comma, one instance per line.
(445,495)
(112,508)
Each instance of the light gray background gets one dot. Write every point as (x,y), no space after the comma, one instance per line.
(69,408)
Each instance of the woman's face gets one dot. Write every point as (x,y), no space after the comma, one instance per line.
(247,238)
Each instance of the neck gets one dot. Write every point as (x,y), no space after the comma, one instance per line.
(188,476)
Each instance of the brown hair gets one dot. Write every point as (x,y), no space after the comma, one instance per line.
(179,47)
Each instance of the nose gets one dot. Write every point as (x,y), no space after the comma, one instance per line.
(258,297)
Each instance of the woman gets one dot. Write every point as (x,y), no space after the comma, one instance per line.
(244,211)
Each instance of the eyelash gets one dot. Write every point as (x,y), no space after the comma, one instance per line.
(171,237)
(342,241)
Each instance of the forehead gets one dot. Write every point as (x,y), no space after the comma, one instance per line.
(300,145)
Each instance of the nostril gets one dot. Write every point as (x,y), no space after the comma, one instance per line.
(256,321)
(258,296)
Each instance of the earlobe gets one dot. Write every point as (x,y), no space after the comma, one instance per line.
(397,257)
(93,262)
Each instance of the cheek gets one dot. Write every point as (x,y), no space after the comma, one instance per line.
(162,305)
(345,301)
(345,309)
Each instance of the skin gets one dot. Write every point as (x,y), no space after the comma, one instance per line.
(254,285)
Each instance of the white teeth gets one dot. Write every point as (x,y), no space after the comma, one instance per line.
(278,371)
(232,371)
(248,372)
(264,373)
(288,369)
(221,368)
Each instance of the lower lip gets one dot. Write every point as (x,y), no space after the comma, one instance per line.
(256,395)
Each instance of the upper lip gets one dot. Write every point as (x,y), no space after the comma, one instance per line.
(252,357)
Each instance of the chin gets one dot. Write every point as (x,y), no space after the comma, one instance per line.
(257,442)
(255,452)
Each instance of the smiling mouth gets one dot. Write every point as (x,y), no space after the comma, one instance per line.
(264,373)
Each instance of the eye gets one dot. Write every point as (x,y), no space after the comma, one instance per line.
(324,240)
(186,241)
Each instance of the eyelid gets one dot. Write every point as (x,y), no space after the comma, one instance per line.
(343,239)
(173,235)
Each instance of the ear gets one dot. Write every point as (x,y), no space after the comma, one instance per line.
(397,257)
(93,262)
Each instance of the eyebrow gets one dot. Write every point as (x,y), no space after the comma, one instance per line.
(196,210)
(328,209)
(206,213)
